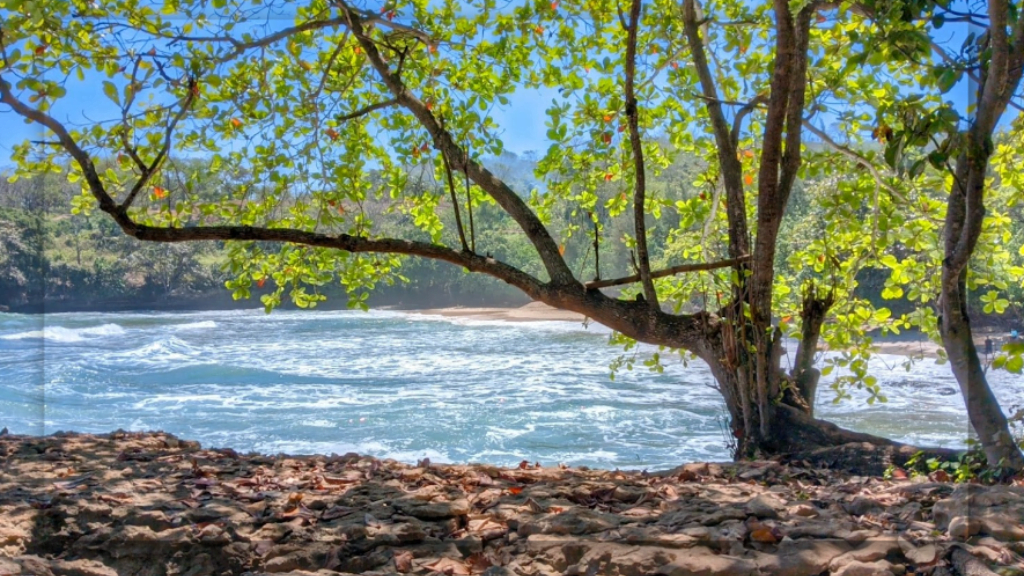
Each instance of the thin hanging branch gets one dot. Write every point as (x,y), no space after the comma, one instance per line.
(640,189)
(668,272)
(558,271)
(469,208)
(455,200)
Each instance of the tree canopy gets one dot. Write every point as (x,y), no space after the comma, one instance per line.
(321,120)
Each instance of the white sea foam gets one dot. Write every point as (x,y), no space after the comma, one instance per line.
(204,325)
(67,335)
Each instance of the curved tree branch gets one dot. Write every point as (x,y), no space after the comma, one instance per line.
(856,157)
(732,170)
(509,201)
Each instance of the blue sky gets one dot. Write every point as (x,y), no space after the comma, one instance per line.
(522,121)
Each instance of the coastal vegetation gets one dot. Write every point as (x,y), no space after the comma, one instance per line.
(680,168)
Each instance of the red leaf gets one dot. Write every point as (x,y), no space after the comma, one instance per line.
(764,535)
(515,490)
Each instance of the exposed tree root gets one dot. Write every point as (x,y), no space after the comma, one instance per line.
(799,437)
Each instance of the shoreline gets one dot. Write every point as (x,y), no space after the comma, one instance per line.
(540,312)
(917,348)
(152,504)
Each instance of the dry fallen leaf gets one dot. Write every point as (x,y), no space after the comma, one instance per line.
(478,562)
(449,567)
(403,561)
(764,535)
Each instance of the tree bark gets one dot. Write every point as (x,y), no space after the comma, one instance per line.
(965,214)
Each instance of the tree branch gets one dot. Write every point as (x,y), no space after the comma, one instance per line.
(856,157)
(355,244)
(734,135)
(594,284)
(149,171)
(640,177)
(732,169)
(366,110)
(509,201)
(68,143)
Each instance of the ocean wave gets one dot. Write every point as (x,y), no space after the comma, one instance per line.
(66,335)
(172,351)
(204,325)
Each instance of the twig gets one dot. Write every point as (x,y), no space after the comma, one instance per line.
(668,272)
(367,109)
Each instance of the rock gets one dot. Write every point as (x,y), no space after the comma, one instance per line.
(1003,527)
(723,515)
(33,565)
(861,506)
(81,568)
(224,513)
(577,522)
(805,510)
(469,545)
(919,555)
(9,567)
(870,551)
(754,473)
(691,472)
(857,537)
(433,510)
(765,506)
(962,527)
(802,557)
(701,561)
(857,568)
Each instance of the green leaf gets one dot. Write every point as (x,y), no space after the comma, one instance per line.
(947,78)
(1015,364)
(111,91)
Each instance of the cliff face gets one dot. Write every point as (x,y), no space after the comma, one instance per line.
(149,503)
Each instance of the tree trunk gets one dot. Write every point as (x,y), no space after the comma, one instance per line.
(794,434)
(983,409)
(999,77)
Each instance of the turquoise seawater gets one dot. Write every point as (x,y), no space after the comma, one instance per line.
(407,386)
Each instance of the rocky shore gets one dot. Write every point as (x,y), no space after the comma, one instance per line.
(147,504)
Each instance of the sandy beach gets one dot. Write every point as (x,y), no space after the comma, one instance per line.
(532,312)
(540,312)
